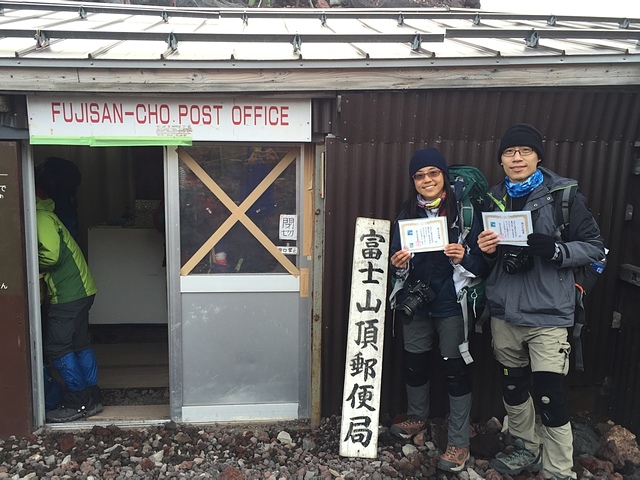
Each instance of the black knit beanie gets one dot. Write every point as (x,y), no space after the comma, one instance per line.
(428,157)
(521,135)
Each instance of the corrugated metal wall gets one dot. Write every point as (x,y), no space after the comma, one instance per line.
(589,136)
(622,387)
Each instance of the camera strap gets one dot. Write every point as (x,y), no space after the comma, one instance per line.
(464,346)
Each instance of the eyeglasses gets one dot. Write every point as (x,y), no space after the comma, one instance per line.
(418,177)
(511,152)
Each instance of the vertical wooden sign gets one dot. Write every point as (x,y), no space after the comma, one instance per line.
(365,340)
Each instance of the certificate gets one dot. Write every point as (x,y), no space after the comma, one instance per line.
(424,234)
(513,228)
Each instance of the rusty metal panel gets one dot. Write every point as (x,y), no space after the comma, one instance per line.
(589,135)
(324,115)
(15,388)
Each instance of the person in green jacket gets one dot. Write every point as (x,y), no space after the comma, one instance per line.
(70,294)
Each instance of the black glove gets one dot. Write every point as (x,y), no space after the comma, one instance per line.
(542,245)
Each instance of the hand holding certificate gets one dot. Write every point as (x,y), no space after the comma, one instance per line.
(424,234)
(513,228)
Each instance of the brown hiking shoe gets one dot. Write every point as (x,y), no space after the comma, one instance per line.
(409,428)
(454,459)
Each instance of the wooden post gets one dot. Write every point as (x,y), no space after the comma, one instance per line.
(15,387)
(365,340)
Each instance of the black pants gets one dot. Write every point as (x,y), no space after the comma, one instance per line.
(67,328)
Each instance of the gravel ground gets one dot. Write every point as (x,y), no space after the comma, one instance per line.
(287,450)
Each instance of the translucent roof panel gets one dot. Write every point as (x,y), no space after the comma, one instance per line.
(99,35)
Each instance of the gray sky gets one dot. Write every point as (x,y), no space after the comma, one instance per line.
(622,8)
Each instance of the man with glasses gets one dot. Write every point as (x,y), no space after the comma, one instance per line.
(531,294)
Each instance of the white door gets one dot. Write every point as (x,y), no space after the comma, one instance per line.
(243,334)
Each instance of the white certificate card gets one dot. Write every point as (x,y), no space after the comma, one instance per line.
(513,227)
(424,234)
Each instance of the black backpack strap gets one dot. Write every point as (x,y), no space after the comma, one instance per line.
(576,341)
(563,207)
(482,319)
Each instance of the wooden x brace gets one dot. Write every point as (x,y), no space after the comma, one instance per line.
(237,212)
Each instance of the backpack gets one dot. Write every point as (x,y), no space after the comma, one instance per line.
(586,276)
(470,188)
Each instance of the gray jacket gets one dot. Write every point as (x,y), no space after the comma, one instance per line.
(545,295)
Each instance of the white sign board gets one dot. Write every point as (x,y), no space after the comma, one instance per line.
(365,340)
(200,119)
(288,227)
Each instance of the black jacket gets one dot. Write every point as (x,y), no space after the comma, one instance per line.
(436,269)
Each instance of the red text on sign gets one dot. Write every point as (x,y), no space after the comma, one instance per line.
(199,114)
(267,115)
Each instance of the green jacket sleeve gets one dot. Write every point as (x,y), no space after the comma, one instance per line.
(48,241)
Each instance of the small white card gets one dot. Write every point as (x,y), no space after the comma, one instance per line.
(288,227)
(424,234)
(512,227)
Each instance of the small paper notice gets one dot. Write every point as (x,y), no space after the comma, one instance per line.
(424,234)
(512,227)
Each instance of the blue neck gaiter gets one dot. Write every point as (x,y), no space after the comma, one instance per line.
(517,190)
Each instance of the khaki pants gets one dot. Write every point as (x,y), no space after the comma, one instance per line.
(546,349)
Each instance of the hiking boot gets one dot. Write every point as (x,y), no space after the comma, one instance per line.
(95,405)
(77,405)
(64,414)
(454,459)
(93,410)
(517,461)
(409,428)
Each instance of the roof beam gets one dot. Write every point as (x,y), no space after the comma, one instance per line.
(136,80)
(223,37)
(621,34)
(110,8)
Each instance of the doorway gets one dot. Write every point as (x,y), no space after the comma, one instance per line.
(232,341)
(120,229)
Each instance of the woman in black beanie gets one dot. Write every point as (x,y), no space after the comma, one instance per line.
(437,321)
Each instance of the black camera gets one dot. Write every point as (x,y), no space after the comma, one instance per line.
(418,294)
(516,260)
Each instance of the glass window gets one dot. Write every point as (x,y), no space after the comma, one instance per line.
(232,202)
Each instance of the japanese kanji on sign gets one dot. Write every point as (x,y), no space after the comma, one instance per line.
(365,340)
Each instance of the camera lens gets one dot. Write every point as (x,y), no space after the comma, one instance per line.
(510,268)
(516,261)
(413,302)
(410,306)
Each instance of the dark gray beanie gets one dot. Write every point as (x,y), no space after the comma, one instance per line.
(428,157)
(522,135)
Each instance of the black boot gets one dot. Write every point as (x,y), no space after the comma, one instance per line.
(96,401)
(87,361)
(75,405)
